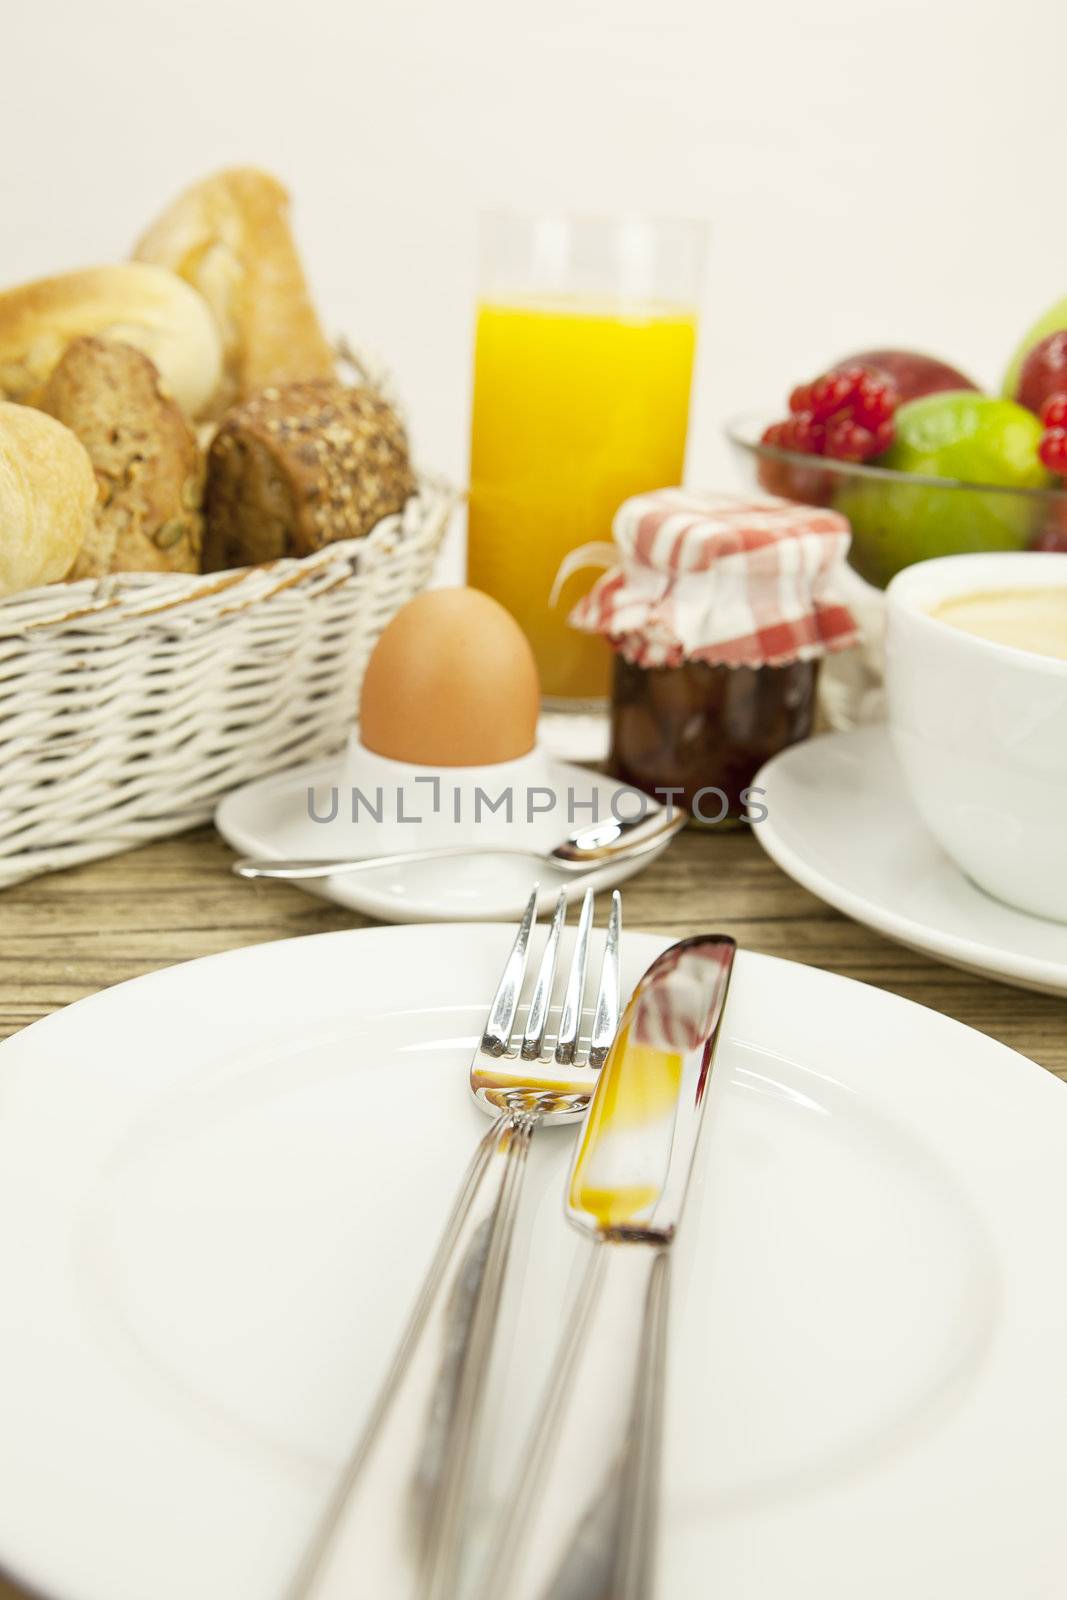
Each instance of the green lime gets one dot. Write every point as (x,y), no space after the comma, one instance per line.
(955,435)
(970,436)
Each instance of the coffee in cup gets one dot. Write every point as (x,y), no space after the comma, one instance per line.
(1025,619)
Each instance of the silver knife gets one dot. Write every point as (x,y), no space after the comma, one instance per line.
(580,1523)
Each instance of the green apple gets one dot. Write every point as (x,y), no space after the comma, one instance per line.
(963,435)
(1052,322)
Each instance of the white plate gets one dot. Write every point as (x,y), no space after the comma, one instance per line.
(213,1218)
(271,818)
(841,823)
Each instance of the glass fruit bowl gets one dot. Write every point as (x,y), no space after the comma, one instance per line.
(901,517)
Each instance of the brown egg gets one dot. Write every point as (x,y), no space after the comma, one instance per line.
(452,682)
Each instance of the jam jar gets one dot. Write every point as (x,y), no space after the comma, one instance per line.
(720,609)
(702,731)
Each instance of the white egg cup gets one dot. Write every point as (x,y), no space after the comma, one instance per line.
(407,807)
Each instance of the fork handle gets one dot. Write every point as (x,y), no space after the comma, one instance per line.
(393,1526)
(581,1519)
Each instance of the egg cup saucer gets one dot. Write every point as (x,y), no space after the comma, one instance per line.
(319,809)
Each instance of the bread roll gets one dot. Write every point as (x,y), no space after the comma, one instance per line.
(296,468)
(149,467)
(230,238)
(47,495)
(142,305)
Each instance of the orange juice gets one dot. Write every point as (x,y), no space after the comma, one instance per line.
(576,407)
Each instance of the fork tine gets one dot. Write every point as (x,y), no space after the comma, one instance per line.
(571,1020)
(537,1021)
(497,1035)
(608,1000)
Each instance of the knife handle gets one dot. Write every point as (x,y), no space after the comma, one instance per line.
(582,1517)
(394,1523)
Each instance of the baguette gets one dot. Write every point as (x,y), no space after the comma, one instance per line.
(229,237)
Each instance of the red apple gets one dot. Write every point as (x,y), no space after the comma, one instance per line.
(911,374)
(1044,372)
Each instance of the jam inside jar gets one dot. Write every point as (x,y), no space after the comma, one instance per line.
(701,726)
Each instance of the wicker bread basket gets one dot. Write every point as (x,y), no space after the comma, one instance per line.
(130,705)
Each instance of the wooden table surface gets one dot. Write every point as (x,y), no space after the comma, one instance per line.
(74,932)
(70,934)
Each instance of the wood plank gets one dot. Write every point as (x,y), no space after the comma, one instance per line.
(70,934)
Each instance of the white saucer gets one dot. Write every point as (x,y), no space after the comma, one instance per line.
(270,818)
(841,823)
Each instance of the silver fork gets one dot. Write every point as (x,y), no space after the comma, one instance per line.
(394,1525)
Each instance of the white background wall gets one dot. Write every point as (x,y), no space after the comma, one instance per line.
(873,172)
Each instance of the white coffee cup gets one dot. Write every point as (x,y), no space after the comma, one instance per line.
(980,729)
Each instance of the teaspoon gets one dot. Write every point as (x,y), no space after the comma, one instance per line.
(581,851)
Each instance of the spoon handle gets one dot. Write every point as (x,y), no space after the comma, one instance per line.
(317,867)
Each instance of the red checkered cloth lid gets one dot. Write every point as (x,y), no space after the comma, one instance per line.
(735,579)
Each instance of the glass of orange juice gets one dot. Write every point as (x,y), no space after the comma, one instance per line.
(583,365)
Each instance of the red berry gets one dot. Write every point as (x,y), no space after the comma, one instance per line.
(875,402)
(847,413)
(803,433)
(832,392)
(1053,449)
(800,433)
(847,440)
(1054,411)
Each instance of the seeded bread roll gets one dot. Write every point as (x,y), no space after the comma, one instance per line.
(142,305)
(229,237)
(148,465)
(47,494)
(299,467)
